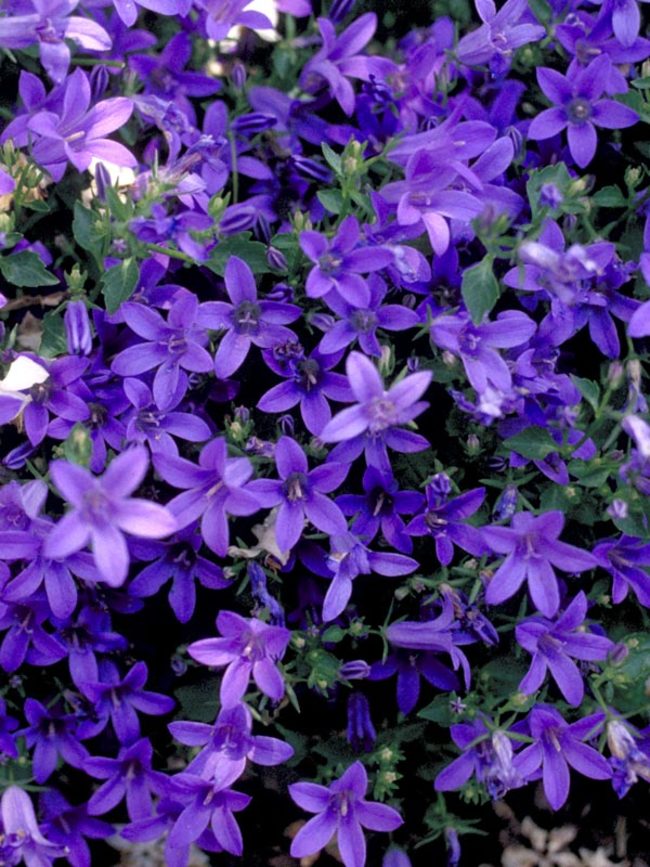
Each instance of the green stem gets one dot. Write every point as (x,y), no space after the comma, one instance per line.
(175,254)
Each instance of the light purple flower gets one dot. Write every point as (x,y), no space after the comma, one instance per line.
(103,510)
(20,833)
(342,810)
(248,647)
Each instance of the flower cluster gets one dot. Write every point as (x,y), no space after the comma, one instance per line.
(331,330)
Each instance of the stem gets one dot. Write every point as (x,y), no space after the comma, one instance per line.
(175,254)
(91,61)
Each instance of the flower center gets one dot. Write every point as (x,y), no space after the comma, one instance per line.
(329,263)
(382,414)
(247,317)
(364,321)
(295,487)
(308,373)
(579,110)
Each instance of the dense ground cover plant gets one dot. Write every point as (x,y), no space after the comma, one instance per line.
(324,445)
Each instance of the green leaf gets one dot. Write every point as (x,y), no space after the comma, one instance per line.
(592,474)
(589,389)
(480,289)
(439,712)
(534,443)
(331,200)
(252,252)
(557,175)
(609,197)
(333,159)
(199,701)
(53,340)
(119,282)
(85,231)
(641,83)
(26,269)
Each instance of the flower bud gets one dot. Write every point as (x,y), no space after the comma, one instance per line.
(77,328)
(396,858)
(361,732)
(355,669)
(340,9)
(276,259)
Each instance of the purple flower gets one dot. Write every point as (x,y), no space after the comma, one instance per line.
(444,520)
(630,756)
(342,810)
(486,753)
(360,732)
(102,511)
(78,133)
(8,725)
(247,320)
(500,35)
(172,347)
(339,264)
(128,776)
(247,647)
(623,559)
(221,17)
(374,422)
(213,490)
(300,494)
(122,698)
(77,328)
(51,733)
(348,558)
(21,839)
(309,382)
(557,746)
(409,666)
(360,322)
(68,826)
(49,25)
(128,9)
(626,19)
(533,549)
(176,560)
(380,507)
(579,108)
(209,805)
(554,646)
(227,745)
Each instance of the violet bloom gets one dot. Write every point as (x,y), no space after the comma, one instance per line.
(78,335)
(380,507)
(210,805)
(221,17)
(172,347)
(623,559)
(554,646)
(56,396)
(579,107)
(533,549)
(309,382)
(128,9)
(342,810)
(147,423)
(410,666)
(500,35)
(68,826)
(348,558)
(477,345)
(103,510)
(161,228)
(374,422)
(213,490)
(630,755)
(360,322)
(339,59)
(227,745)
(8,726)
(486,753)
(444,520)
(21,839)
(339,263)
(247,646)
(557,746)
(626,19)
(128,776)
(122,698)
(247,320)
(51,733)
(176,560)
(300,494)
(78,133)
(49,25)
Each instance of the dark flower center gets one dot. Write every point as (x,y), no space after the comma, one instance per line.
(40,392)
(308,373)
(98,415)
(364,321)
(381,502)
(247,317)
(329,263)
(579,110)
(295,487)
(470,341)
(177,344)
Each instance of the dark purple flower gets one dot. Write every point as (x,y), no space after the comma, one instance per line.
(247,647)
(103,510)
(340,262)
(445,521)
(51,733)
(623,559)
(247,320)
(554,646)
(301,494)
(210,804)
(128,776)
(579,108)
(409,666)
(360,732)
(213,490)
(342,810)
(557,746)
(68,826)
(176,560)
(533,549)
(122,698)
(8,725)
